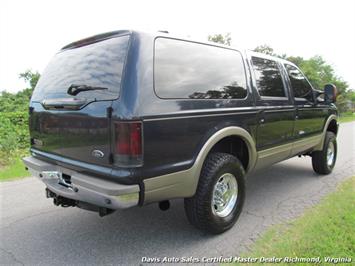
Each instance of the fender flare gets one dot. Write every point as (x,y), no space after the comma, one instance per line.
(183,184)
(332,117)
(221,134)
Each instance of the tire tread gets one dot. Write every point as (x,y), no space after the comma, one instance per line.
(319,162)
(198,207)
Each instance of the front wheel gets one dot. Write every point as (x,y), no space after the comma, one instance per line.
(220,194)
(323,161)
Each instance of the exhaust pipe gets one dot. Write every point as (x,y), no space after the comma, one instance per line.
(105,211)
(59,200)
(164,205)
(64,202)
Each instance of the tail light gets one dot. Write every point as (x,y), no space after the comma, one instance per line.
(128,144)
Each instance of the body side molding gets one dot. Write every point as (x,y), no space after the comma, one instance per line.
(277,154)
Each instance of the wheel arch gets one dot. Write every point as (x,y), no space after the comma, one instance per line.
(229,134)
(331,124)
(183,184)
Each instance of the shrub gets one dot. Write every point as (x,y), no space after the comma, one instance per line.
(14,134)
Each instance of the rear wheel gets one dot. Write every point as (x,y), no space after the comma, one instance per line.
(323,161)
(220,194)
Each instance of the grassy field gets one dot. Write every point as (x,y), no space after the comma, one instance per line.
(348,117)
(327,230)
(13,171)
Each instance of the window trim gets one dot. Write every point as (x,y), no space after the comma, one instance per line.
(247,87)
(273,98)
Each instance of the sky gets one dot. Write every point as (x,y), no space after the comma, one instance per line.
(31,32)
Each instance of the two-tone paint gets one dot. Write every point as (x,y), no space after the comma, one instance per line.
(178,133)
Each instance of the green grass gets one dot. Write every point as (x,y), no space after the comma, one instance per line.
(347,117)
(327,230)
(14,170)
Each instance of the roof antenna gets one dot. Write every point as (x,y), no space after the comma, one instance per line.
(163,31)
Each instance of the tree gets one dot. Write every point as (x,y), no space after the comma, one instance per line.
(265,49)
(318,72)
(18,102)
(219,38)
(30,77)
(297,60)
(351,95)
(315,68)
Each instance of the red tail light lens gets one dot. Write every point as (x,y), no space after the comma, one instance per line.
(128,144)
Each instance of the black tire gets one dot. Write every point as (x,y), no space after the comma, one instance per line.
(319,158)
(198,208)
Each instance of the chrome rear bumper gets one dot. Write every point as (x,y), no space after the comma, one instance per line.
(83,188)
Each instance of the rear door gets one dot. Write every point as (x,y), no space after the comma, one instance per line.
(75,124)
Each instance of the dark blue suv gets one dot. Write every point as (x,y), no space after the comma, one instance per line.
(129,118)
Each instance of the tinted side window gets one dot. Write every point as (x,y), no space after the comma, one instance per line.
(190,70)
(268,78)
(300,86)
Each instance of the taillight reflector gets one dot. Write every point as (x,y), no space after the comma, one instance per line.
(128,143)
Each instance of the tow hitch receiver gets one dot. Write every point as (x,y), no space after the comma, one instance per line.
(65,202)
(59,200)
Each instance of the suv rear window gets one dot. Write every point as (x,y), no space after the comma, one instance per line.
(99,64)
(185,69)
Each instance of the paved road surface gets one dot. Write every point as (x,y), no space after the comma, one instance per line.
(33,231)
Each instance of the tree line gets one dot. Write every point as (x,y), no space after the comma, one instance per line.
(316,69)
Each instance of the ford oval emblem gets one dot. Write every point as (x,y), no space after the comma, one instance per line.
(97,154)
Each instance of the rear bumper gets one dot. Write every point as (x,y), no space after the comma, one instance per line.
(83,188)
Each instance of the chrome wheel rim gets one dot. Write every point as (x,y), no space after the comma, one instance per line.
(330,154)
(225,194)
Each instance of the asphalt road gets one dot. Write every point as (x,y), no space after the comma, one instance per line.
(33,231)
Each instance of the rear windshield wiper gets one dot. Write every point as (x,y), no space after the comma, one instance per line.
(76,89)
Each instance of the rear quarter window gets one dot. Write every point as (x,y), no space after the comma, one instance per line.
(99,64)
(188,70)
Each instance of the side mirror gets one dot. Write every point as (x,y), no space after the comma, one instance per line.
(330,93)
